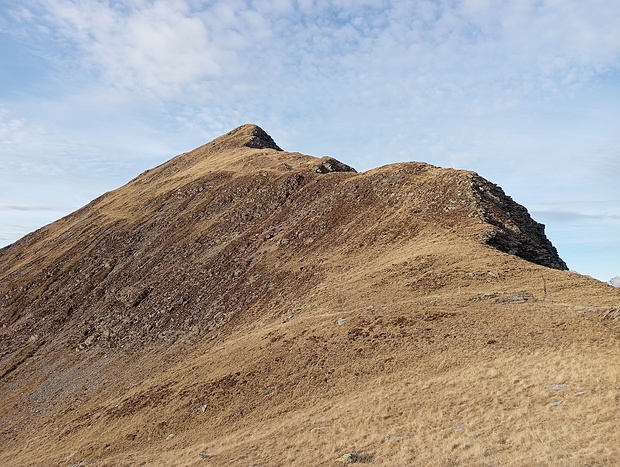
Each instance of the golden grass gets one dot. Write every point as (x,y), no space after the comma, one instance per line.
(504,411)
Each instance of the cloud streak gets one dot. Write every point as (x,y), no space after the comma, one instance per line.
(574,217)
(26,207)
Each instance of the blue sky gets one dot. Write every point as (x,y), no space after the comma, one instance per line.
(524,92)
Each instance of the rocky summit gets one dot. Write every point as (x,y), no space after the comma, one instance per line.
(244,305)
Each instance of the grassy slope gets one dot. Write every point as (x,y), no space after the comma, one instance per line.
(408,342)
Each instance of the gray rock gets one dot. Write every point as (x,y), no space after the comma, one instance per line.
(556,387)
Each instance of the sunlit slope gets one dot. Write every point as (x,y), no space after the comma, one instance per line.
(242,304)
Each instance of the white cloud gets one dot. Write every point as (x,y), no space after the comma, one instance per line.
(428,51)
(155,46)
(12,130)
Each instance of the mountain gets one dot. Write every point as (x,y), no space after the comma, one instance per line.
(244,305)
(615,281)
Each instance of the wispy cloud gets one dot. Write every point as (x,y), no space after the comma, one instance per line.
(177,47)
(26,207)
(436,71)
(575,216)
(12,129)
(587,241)
(11,232)
(158,47)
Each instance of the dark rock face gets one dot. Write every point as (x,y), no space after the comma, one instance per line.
(516,232)
(261,140)
(329,164)
(253,136)
(246,136)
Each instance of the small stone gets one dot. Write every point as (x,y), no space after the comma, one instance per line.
(342,321)
(554,404)
(556,387)
(319,428)
(348,458)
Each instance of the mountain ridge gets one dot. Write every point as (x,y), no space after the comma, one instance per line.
(241,302)
(194,210)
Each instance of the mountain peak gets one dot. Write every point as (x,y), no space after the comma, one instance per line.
(238,287)
(248,135)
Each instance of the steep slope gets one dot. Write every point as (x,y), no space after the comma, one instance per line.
(239,286)
(192,243)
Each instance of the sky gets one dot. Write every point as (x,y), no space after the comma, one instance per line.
(524,92)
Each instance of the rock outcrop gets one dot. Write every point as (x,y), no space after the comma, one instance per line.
(516,232)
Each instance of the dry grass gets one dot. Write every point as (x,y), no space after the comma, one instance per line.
(502,411)
(300,400)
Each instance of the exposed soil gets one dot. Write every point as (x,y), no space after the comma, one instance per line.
(243,305)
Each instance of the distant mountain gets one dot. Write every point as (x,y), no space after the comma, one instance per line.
(615,281)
